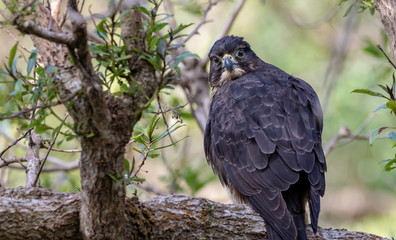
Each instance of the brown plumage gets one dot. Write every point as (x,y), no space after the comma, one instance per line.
(263,138)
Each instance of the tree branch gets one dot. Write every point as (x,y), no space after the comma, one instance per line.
(163,217)
(29,27)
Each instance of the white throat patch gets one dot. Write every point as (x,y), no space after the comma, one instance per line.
(226,75)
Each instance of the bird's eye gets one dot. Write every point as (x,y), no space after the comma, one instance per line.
(215,60)
(240,53)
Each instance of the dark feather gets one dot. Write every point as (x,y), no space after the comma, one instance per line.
(263,139)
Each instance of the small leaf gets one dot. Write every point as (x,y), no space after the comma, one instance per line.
(369,92)
(392,136)
(348,10)
(153,155)
(159,26)
(41,128)
(181,57)
(143,10)
(161,49)
(32,61)
(390,165)
(374,134)
(114,178)
(122,58)
(126,166)
(151,126)
(391,105)
(12,54)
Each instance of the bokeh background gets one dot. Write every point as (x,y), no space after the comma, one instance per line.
(310,39)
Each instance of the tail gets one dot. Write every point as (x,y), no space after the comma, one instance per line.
(314,208)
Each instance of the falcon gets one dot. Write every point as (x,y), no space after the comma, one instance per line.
(263,138)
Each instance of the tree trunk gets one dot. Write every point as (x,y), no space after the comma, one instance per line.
(104,122)
(387,12)
(37,213)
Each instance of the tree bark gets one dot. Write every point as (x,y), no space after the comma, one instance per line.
(387,12)
(38,213)
(104,122)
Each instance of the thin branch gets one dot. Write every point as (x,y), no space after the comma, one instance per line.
(172,108)
(62,150)
(49,150)
(345,133)
(15,142)
(29,27)
(39,107)
(202,22)
(63,167)
(386,55)
(6,162)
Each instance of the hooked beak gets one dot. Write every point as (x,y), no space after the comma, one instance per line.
(228,62)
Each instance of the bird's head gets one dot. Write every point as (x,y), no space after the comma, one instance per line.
(230,58)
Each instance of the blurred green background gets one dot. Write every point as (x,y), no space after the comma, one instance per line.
(310,39)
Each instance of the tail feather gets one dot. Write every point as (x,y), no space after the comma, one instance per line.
(314,208)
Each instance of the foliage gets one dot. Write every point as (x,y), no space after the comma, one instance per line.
(31,94)
(362,5)
(390,105)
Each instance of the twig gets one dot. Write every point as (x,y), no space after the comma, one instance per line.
(202,22)
(49,150)
(141,164)
(65,166)
(345,133)
(386,55)
(172,108)
(163,117)
(6,162)
(15,142)
(62,150)
(39,107)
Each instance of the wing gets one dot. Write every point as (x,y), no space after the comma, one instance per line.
(262,132)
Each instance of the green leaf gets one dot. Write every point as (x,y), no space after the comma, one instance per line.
(139,128)
(161,50)
(391,105)
(348,10)
(153,155)
(374,134)
(114,178)
(159,26)
(342,1)
(126,166)
(122,58)
(18,85)
(12,55)
(391,164)
(180,28)
(169,145)
(32,61)
(151,126)
(392,136)
(143,10)
(181,57)
(368,92)
(41,128)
